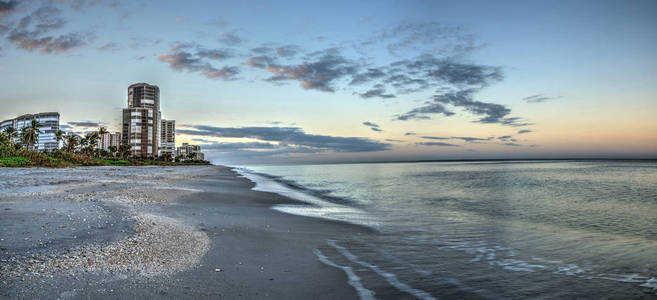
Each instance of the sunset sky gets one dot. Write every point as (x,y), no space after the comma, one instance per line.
(278,81)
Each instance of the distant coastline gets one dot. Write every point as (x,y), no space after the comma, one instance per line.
(460,160)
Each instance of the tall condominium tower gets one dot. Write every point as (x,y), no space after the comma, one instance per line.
(141,120)
(168,138)
(49,121)
(109,139)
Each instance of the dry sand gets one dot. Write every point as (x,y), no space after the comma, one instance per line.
(184,232)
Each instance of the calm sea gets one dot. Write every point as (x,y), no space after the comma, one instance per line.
(495,230)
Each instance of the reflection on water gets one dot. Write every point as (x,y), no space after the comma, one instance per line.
(497,229)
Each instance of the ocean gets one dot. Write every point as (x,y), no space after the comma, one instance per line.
(484,230)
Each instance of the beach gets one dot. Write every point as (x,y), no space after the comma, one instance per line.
(152,232)
(484,230)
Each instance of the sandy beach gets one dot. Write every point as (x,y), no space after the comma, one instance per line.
(216,232)
(147,232)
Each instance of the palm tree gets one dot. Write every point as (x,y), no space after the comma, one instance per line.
(30,134)
(92,139)
(11,133)
(59,135)
(113,150)
(4,144)
(102,131)
(124,150)
(71,142)
(84,142)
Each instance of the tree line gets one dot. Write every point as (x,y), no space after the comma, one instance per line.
(72,143)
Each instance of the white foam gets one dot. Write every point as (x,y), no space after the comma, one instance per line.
(320,208)
(650,283)
(354,280)
(391,278)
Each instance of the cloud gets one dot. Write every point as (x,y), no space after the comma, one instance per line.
(369,75)
(437,144)
(441,71)
(427,71)
(290,136)
(263,49)
(409,133)
(288,50)
(181,60)
(111,46)
(31,33)
(454,79)
(230,38)
(373,126)
(225,73)
(504,137)
(512,144)
(394,141)
(435,138)
(469,139)
(466,139)
(7,8)
(319,73)
(235,146)
(459,74)
(84,124)
(430,37)
(63,43)
(242,156)
(377,92)
(489,112)
(524,131)
(260,62)
(422,112)
(538,98)
(216,54)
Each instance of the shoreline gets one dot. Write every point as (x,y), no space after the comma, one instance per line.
(251,250)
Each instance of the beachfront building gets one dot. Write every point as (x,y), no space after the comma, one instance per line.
(190,152)
(141,120)
(168,138)
(46,140)
(108,140)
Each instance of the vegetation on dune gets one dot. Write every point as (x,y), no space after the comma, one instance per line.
(76,151)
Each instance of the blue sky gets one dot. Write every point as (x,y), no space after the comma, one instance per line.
(279,81)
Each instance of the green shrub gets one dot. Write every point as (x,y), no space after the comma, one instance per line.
(14,162)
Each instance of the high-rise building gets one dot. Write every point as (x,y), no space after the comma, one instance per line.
(167,138)
(46,140)
(141,120)
(109,139)
(190,152)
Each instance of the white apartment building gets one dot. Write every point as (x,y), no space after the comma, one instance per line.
(49,121)
(167,138)
(187,151)
(109,139)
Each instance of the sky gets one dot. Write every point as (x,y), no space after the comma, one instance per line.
(347,81)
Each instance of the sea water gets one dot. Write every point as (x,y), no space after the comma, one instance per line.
(491,230)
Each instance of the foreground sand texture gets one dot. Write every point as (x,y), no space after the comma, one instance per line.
(178,232)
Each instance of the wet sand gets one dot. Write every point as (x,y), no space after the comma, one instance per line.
(137,232)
